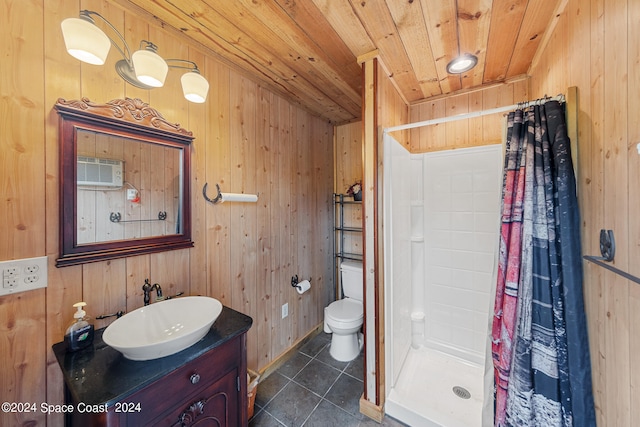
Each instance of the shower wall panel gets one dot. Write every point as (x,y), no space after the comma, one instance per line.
(397,220)
(461,209)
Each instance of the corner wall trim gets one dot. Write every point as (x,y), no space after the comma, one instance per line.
(371,410)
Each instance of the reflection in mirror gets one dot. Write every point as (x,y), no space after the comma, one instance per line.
(124,181)
(126,189)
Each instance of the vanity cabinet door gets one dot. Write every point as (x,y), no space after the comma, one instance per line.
(215,406)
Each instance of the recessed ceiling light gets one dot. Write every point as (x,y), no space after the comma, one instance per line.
(462,63)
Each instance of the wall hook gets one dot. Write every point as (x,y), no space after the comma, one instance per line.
(228,197)
(607,245)
(216,199)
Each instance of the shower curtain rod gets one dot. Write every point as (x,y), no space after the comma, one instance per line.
(508,108)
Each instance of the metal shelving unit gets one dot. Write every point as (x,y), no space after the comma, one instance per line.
(340,201)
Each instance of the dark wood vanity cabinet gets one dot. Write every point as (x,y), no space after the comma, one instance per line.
(205,392)
(204,385)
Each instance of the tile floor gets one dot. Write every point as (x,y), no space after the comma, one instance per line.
(313,389)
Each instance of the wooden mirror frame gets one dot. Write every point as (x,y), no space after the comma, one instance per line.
(126,118)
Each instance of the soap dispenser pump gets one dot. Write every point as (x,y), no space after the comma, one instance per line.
(79,334)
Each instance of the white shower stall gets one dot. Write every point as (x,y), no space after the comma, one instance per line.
(441,233)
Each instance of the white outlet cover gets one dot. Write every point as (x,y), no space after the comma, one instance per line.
(19,275)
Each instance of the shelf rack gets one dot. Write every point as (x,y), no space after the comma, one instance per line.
(340,230)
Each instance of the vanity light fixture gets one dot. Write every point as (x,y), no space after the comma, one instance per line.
(144,68)
(462,63)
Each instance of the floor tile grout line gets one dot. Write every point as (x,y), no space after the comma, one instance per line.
(354,377)
(331,386)
(299,370)
(291,379)
(308,389)
(328,393)
(273,416)
(332,404)
(311,413)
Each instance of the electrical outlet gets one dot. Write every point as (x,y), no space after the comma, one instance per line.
(32,268)
(285,310)
(9,282)
(31,279)
(20,275)
(10,271)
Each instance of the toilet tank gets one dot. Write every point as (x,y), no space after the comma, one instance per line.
(351,274)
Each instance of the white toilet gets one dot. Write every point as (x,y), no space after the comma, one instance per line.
(343,318)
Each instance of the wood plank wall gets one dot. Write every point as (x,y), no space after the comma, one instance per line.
(247,139)
(472,132)
(348,171)
(595,47)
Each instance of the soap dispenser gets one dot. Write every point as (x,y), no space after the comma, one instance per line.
(80,333)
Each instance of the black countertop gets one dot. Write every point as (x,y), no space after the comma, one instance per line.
(100,374)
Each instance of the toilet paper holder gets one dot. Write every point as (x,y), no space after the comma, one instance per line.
(295,282)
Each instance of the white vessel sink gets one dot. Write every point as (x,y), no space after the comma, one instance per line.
(162,328)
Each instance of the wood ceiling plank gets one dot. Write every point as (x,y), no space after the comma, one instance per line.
(377,20)
(506,19)
(411,27)
(536,19)
(347,25)
(310,57)
(307,50)
(441,20)
(204,25)
(315,25)
(271,30)
(474,18)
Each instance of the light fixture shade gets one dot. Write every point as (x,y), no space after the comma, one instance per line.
(195,87)
(85,41)
(150,68)
(462,63)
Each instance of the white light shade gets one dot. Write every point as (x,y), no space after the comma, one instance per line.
(85,41)
(195,87)
(150,68)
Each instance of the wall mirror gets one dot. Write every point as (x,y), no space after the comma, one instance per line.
(124,181)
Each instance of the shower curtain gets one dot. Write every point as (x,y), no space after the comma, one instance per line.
(542,370)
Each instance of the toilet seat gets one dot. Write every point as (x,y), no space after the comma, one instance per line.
(345,313)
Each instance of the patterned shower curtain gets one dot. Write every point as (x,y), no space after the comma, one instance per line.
(540,349)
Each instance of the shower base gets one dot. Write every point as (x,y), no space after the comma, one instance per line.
(424,393)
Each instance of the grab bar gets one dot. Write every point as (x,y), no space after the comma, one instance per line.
(117,217)
(608,252)
(596,260)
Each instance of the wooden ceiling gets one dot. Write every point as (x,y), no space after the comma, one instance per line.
(308,50)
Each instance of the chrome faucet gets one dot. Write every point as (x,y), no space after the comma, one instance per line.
(147,288)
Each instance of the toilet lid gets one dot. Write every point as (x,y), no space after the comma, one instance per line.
(345,310)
